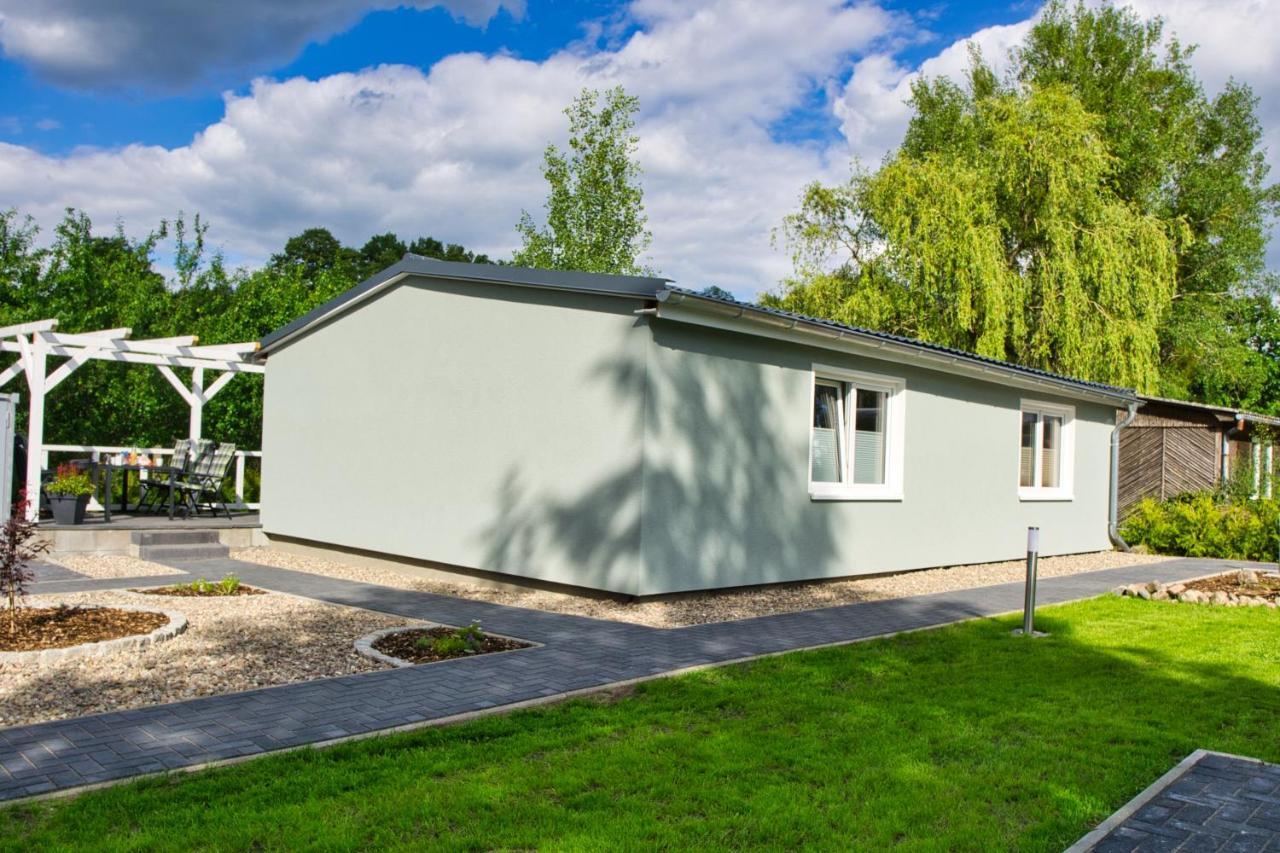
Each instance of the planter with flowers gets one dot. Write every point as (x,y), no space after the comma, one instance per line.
(68,494)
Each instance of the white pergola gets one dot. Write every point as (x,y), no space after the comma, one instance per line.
(37,342)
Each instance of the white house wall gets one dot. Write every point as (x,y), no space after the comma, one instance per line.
(726,491)
(440,423)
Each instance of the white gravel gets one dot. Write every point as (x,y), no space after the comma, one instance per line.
(232,643)
(701,608)
(103,566)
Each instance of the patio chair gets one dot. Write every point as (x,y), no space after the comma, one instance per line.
(203,486)
(186,453)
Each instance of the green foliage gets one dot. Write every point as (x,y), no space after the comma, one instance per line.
(1093,213)
(70,481)
(229,585)
(1206,525)
(468,640)
(1008,243)
(89,281)
(595,206)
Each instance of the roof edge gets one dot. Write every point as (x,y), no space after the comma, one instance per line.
(935,357)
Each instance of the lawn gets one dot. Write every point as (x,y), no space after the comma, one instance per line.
(962,738)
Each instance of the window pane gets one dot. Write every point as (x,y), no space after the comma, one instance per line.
(1051,455)
(1027,474)
(824,467)
(868,440)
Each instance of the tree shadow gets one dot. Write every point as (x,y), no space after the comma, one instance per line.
(718,496)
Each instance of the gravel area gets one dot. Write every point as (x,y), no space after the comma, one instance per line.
(701,608)
(231,644)
(100,566)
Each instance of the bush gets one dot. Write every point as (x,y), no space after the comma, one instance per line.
(70,481)
(1205,524)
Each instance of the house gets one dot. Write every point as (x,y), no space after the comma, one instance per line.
(622,434)
(1173,447)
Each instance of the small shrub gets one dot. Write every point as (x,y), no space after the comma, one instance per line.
(460,641)
(229,585)
(1205,524)
(70,481)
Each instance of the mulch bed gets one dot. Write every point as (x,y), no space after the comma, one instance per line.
(404,645)
(59,627)
(183,591)
(1251,583)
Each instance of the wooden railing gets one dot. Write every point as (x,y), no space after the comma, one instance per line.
(97,451)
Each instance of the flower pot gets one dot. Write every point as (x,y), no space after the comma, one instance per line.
(68,509)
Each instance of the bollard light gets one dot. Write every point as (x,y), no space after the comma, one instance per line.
(1028,628)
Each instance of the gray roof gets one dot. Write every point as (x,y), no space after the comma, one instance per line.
(871,334)
(1226,412)
(643,288)
(634,286)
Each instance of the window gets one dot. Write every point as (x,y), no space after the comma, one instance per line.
(855,445)
(1045,458)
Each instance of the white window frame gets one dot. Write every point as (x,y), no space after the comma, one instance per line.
(895,411)
(1064,491)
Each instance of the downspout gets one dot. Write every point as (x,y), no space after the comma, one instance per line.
(1113,502)
(1236,428)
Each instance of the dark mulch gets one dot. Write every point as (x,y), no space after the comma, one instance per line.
(185,591)
(59,627)
(1250,583)
(404,645)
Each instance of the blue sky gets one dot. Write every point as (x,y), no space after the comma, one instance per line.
(369,116)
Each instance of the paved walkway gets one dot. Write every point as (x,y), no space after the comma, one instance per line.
(1210,801)
(578,653)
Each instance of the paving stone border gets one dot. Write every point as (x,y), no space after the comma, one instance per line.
(176,625)
(1208,801)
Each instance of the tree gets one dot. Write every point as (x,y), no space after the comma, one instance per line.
(17,550)
(314,251)
(1010,245)
(380,252)
(1160,153)
(595,205)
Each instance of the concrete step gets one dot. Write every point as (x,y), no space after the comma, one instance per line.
(174,537)
(182,553)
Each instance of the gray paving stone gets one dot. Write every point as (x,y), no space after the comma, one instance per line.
(1208,807)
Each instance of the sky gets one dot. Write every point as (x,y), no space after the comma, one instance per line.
(430,118)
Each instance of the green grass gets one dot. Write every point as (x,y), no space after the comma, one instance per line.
(962,738)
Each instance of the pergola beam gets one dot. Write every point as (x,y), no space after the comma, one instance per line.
(28,328)
(36,341)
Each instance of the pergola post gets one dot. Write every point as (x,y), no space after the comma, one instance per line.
(35,355)
(197,403)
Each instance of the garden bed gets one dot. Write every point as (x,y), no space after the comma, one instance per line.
(429,645)
(1243,588)
(59,627)
(232,643)
(199,589)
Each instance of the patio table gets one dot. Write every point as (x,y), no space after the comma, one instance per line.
(110,468)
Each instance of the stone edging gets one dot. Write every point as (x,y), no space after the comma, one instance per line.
(364,645)
(176,625)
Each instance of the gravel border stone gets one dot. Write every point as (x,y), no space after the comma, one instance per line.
(176,625)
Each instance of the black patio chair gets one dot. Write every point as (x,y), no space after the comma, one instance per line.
(203,486)
(155,488)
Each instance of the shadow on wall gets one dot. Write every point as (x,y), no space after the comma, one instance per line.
(725,499)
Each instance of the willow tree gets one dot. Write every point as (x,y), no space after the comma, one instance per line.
(1009,243)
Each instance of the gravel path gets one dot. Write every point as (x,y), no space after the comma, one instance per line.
(103,566)
(232,643)
(701,608)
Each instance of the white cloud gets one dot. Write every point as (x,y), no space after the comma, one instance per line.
(456,151)
(872,106)
(172,44)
